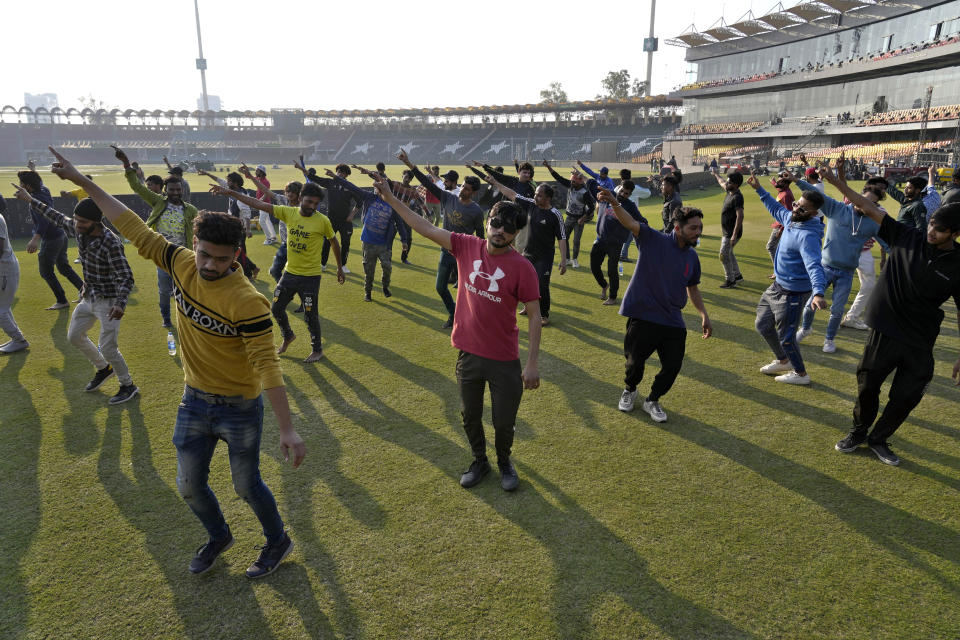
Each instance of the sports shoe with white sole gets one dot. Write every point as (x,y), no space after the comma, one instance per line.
(803,333)
(794,378)
(13,346)
(776,367)
(655,410)
(626,400)
(883,452)
(345,270)
(576,265)
(829,346)
(855,323)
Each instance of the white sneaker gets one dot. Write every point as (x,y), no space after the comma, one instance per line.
(576,265)
(655,410)
(794,378)
(776,367)
(569,262)
(323,267)
(855,323)
(829,346)
(626,400)
(13,346)
(803,333)
(345,270)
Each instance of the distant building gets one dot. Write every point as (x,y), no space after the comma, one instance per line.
(35,101)
(213,103)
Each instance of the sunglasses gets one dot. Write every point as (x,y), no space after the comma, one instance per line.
(509,227)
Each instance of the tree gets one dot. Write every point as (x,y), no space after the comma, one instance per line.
(553,94)
(617,86)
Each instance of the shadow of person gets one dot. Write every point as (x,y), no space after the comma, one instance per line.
(157,511)
(591,562)
(20,431)
(80,434)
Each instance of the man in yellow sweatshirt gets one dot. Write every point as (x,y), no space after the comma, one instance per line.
(228,357)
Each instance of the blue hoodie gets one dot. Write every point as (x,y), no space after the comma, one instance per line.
(797,265)
(380,221)
(846,232)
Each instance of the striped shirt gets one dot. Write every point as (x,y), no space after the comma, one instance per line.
(106,273)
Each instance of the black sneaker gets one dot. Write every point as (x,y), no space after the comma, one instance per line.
(386,291)
(126,392)
(99,379)
(271,555)
(366,297)
(738,278)
(729,284)
(478,469)
(885,454)
(208,552)
(448,324)
(508,476)
(850,443)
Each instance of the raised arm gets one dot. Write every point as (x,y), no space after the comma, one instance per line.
(49,213)
(251,202)
(631,225)
(425,180)
(780,213)
(361,195)
(130,173)
(245,172)
(507,192)
(417,223)
(556,176)
(871,209)
(588,171)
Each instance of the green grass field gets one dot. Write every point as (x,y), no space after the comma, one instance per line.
(734,519)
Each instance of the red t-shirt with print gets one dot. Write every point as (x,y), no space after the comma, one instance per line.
(485,322)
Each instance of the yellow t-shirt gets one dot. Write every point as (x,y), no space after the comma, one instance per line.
(304,239)
(226,334)
(78,193)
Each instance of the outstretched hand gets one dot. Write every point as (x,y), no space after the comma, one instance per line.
(403,157)
(753,181)
(217,190)
(65,170)
(21,194)
(121,156)
(381,185)
(330,173)
(605,195)
(245,171)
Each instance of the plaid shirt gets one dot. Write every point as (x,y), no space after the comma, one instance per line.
(106,273)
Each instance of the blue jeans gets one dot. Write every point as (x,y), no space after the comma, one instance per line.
(203,420)
(624,251)
(842,281)
(778,316)
(447,265)
(279,262)
(164,291)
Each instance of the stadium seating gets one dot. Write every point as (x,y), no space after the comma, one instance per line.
(717,127)
(900,116)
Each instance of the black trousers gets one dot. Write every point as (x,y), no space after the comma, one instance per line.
(543,265)
(308,287)
(914,370)
(345,230)
(249,266)
(610,251)
(506,389)
(641,340)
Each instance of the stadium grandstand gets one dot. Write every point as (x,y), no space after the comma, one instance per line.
(604,130)
(877,79)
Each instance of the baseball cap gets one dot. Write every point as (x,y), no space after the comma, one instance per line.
(810,172)
(604,170)
(260,167)
(451,175)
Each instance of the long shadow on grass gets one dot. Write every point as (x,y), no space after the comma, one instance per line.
(623,571)
(156,510)
(591,562)
(323,452)
(80,434)
(899,531)
(20,431)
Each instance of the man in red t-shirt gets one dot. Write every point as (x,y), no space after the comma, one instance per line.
(493,279)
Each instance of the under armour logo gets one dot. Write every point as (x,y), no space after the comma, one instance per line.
(497,275)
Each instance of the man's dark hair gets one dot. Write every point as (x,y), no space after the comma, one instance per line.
(683,215)
(382,168)
(526,166)
(311,172)
(294,187)
(311,190)
(677,175)
(736,178)
(344,169)
(547,190)
(171,180)
(473,181)
(235,178)
(879,181)
(625,174)
(155,179)
(947,216)
(814,197)
(406,173)
(628,184)
(176,171)
(875,189)
(436,169)
(30,179)
(506,210)
(670,180)
(218,228)
(917,182)
(498,169)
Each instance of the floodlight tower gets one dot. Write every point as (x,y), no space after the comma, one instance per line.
(650,46)
(201,61)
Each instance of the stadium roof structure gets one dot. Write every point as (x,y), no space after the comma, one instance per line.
(542,107)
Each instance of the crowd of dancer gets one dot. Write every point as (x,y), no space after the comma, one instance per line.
(498,248)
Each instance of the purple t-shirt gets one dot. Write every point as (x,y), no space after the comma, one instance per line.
(658,288)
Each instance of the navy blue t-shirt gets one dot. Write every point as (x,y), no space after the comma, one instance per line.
(658,288)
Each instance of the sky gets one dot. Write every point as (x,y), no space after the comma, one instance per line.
(339,55)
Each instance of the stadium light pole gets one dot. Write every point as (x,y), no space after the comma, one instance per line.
(201,61)
(651,49)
